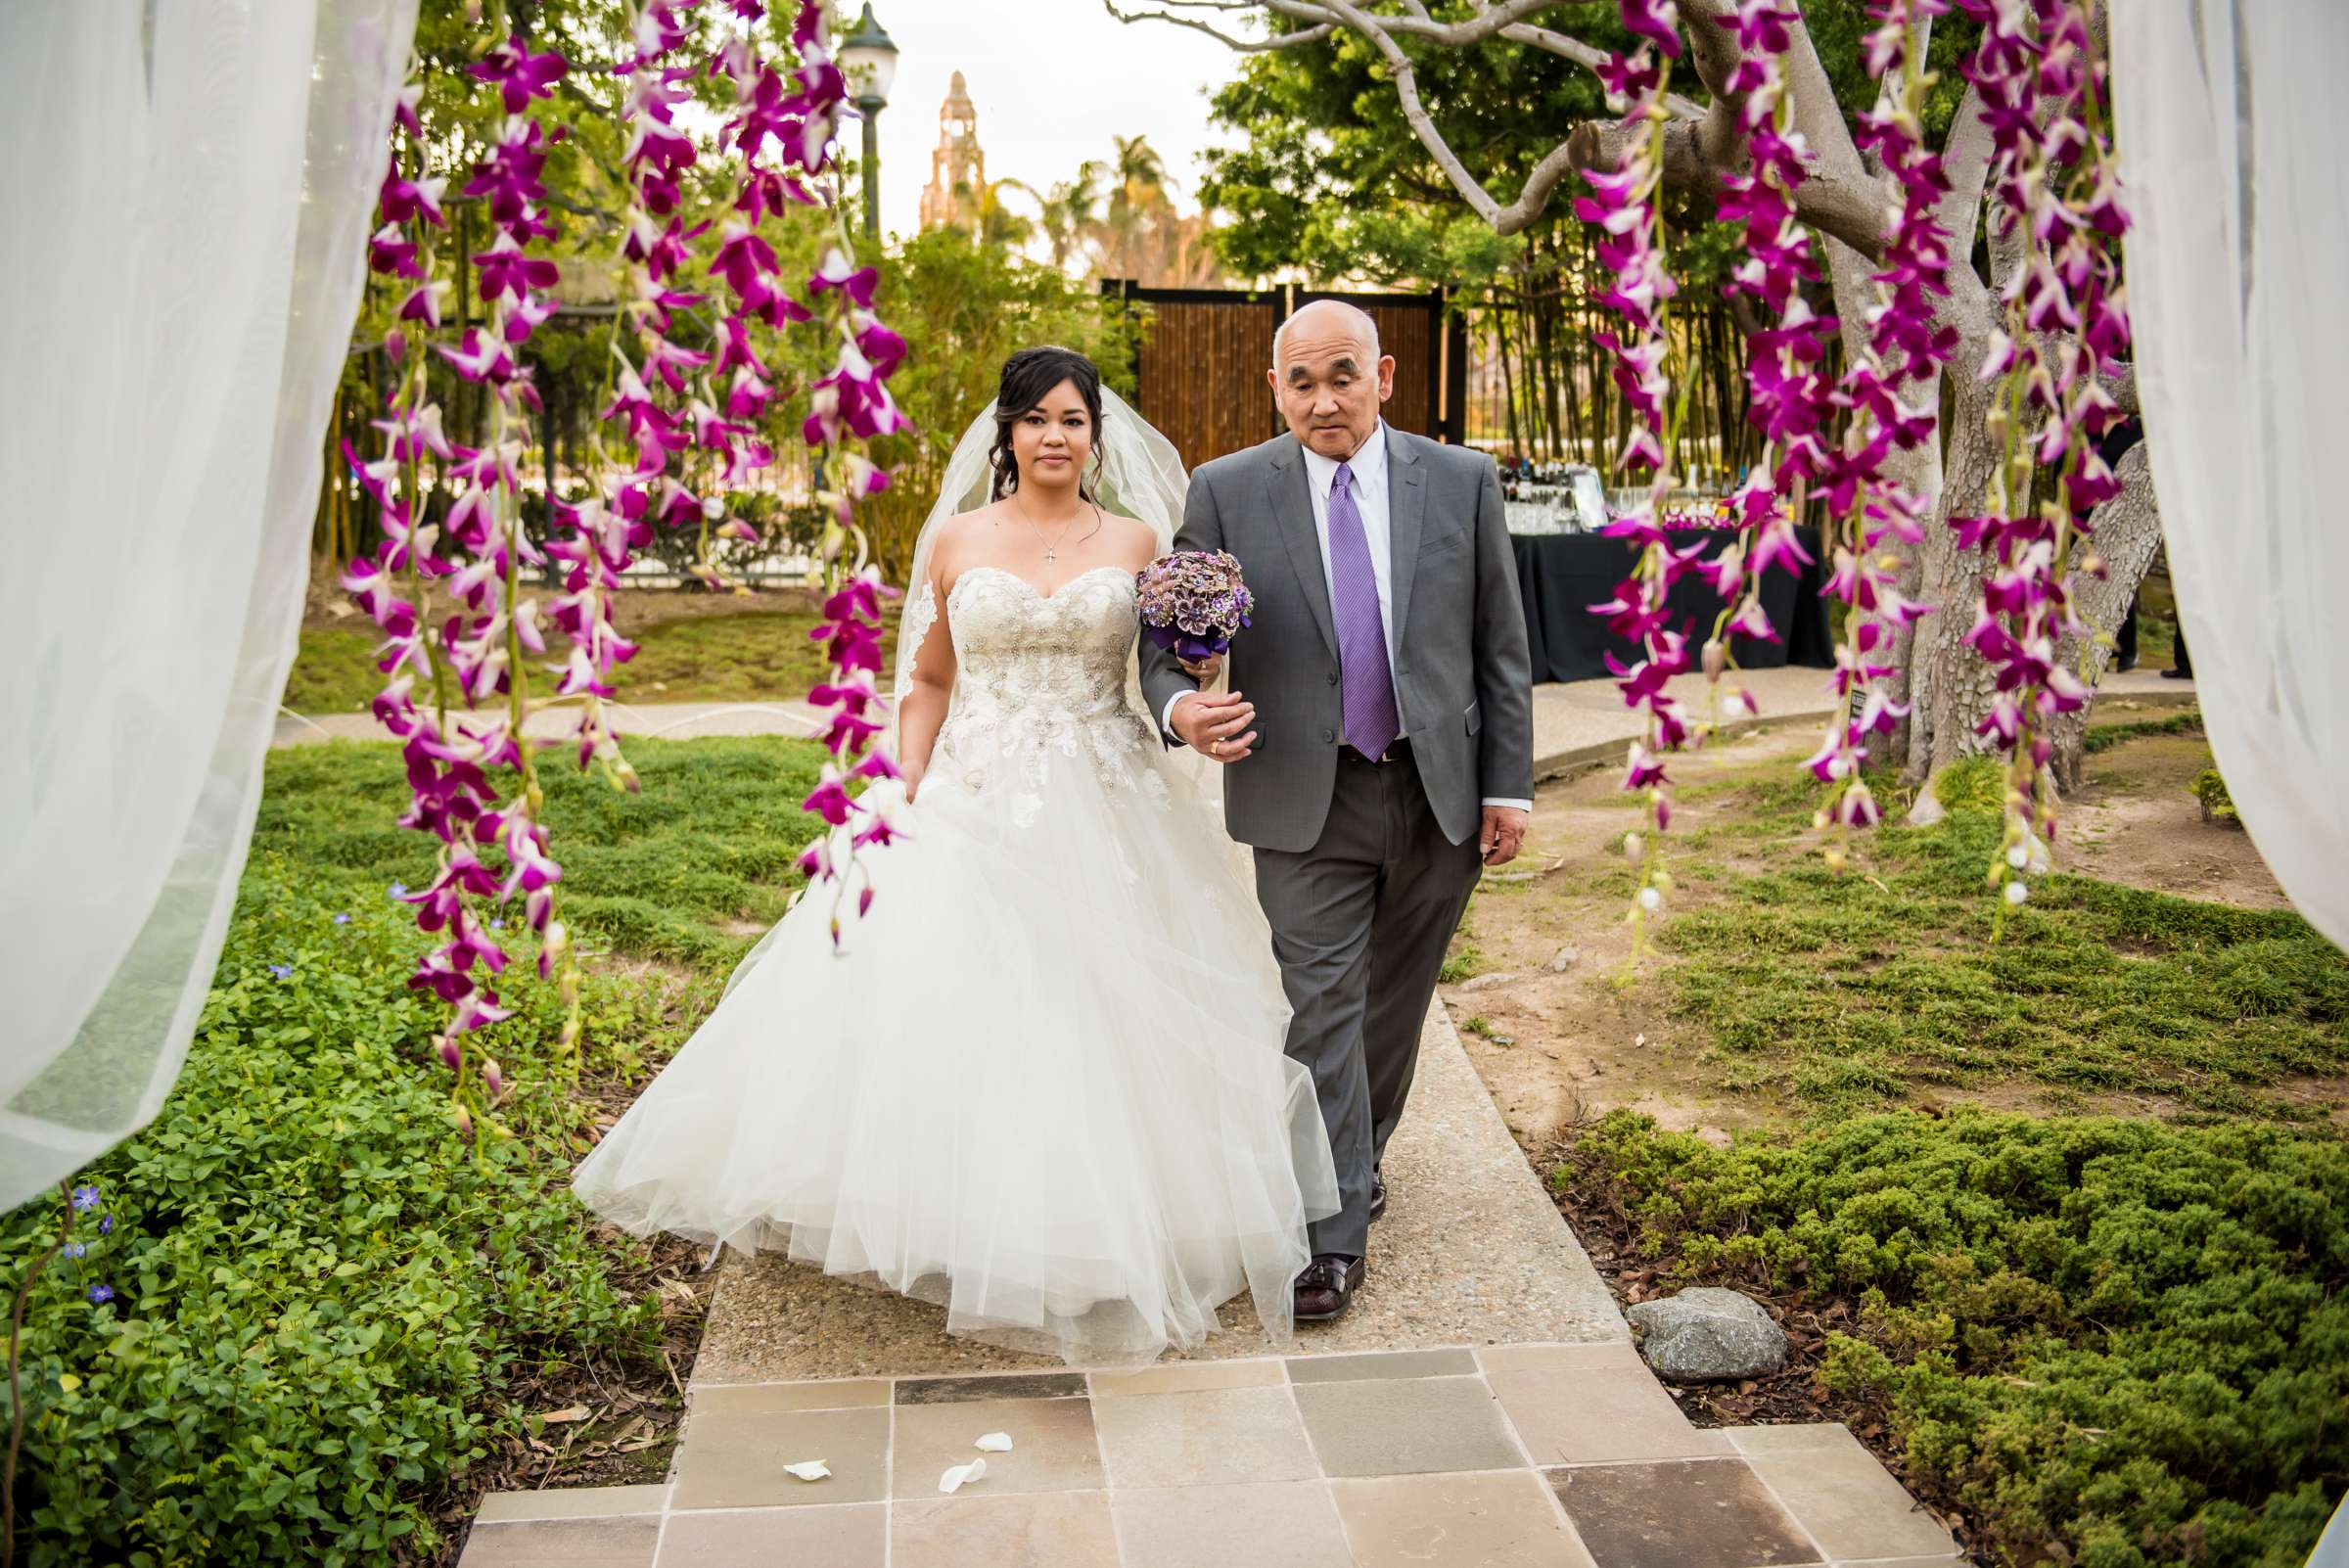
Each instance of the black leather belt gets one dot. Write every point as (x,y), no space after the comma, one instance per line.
(1399,751)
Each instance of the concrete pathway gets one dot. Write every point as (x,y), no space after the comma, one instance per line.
(1575,724)
(1568,720)
(1481,1404)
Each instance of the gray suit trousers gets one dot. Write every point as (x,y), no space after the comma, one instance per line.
(1359,924)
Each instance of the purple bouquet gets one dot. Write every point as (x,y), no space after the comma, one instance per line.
(1192,602)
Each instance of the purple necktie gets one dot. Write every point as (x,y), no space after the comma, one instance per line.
(1368,685)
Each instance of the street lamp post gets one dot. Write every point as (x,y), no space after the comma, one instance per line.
(871,60)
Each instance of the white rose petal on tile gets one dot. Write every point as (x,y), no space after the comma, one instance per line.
(995,1443)
(957,1474)
(808,1469)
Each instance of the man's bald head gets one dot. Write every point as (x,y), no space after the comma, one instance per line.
(1323,320)
(1329,378)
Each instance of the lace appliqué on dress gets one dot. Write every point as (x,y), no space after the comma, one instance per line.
(918,622)
(1041,679)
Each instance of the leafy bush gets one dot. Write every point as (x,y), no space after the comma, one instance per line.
(2114,1343)
(2216,805)
(319,1295)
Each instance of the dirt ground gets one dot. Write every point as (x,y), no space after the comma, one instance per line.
(2137,821)
(1557,1040)
(1559,1045)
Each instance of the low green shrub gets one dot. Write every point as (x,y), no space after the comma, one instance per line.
(2216,805)
(2111,1343)
(319,1297)
(2104,737)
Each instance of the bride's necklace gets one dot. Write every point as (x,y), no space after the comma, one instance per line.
(1051,550)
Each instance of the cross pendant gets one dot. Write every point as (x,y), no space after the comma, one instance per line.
(1050,557)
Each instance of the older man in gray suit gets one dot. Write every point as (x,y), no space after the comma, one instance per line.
(1385,683)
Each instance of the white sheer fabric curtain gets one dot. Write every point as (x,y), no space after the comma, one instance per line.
(188,185)
(2229,121)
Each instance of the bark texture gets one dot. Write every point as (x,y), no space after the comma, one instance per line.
(2126,534)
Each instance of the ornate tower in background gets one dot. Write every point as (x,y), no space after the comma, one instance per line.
(957,162)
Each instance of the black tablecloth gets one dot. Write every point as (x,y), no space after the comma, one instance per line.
(1562,575)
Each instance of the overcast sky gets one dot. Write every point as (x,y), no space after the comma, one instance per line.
(1053,80)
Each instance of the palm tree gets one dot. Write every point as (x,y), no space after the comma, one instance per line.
(979,205)
(1138,198)
(1068,213)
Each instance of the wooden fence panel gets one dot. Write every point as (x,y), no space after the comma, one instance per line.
(1200,374)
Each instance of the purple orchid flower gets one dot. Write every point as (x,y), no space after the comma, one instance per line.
(519,75)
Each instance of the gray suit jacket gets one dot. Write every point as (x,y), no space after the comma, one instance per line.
(1463,679)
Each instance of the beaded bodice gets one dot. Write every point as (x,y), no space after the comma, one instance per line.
(1038,676)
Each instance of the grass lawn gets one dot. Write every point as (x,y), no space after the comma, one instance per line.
(2092,1338)
(1852,990)
(331,1329)
(746,656)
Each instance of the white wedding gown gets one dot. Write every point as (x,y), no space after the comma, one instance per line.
(1042,1083)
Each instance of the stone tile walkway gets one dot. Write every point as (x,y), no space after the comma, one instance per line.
(1513,1457)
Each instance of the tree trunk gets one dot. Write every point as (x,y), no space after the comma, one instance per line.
(1949,684)
(2126,533)
(1508,386)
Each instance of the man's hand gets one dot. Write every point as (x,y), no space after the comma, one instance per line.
(1502,832)
(1215,725)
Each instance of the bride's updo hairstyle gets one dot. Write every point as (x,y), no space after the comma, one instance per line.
(1027,376)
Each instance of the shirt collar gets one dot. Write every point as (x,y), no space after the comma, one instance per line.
(1367,466)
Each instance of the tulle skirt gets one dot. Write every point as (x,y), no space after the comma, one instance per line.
(1042,1084)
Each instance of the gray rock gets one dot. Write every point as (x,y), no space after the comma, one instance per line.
(1708,1335)
(1489,981)
(1566,959)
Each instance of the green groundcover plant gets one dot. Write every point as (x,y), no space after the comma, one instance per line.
(2107,1342)
(318,1307)
(317,1296)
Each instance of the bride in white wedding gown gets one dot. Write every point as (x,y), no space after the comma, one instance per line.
(1043,1084)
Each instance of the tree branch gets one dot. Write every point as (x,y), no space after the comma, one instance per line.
(1851,212)
(1246,46)
(1502,20)
(1531,199)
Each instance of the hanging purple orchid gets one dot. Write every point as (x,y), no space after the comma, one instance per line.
(2057,186)
(684,413)
(1625,208)
(477,650)
(1866,506)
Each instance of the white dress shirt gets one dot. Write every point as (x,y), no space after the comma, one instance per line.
(1368,471)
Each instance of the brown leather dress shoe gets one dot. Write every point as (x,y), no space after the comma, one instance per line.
(1325,1287)
(1378,1196)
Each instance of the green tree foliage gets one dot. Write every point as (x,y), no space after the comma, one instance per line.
(966,307)
(1332,184)
(1332,179)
